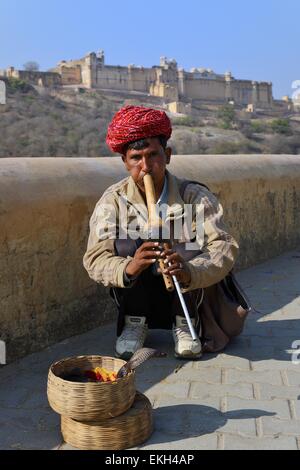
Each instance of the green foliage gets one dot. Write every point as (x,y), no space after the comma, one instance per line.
(23,141)
(227,116)
(257,126)
(281,126)
(15,84)
(29,98)
(186,121)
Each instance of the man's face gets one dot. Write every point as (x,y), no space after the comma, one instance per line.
(152,159)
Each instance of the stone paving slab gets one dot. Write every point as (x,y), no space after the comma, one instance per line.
(271,392)
(263,443)
(259,408)
(247,397)
(279,427)
(234,376)
(206,390)
(293,378)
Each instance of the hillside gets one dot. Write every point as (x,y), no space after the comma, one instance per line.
(73,123)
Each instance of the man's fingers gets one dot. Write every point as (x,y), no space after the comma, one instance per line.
(175,272)
(150,254)
(178,266)
(167,253)
(149,246)
(173,258)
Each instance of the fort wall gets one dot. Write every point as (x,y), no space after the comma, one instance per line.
(165,80)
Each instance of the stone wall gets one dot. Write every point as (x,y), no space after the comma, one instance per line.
(168,92)
(47,79)
(167,81)
(203,88)
(45,205)
(125,78)
(180,108)
(71,75)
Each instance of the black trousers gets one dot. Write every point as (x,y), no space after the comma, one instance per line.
(148,297)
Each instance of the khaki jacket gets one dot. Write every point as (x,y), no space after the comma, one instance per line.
(219,249)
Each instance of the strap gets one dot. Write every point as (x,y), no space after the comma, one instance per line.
(186,183)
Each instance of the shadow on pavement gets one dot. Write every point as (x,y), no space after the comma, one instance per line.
(179,422)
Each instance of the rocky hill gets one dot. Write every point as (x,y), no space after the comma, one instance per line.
(73,123)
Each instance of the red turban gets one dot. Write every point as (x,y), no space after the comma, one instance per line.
(133,123)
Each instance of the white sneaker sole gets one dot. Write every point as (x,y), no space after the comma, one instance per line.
(188,355)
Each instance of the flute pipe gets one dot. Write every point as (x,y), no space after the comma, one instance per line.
(155,223)
(185,310)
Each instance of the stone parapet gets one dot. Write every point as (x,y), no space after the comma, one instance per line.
(45,205)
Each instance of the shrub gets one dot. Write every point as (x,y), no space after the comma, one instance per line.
(187,121)
(257,126)
(227,115)
(15,84)
(281,126)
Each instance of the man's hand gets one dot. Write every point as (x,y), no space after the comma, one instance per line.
(146,255)
(176,266)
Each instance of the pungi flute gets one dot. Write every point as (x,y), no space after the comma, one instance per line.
(155,225)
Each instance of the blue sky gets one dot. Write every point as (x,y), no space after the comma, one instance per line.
(254,40)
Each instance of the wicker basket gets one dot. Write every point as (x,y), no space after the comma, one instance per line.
(129,430)
(89,401)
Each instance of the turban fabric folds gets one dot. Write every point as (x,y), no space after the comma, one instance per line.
(133,123)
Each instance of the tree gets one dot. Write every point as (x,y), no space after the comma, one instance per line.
(281,126)
(227,114)
(31,66)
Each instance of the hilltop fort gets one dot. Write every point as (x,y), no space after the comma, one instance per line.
(165,80)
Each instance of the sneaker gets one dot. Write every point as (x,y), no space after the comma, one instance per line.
(132,337)
(185,346)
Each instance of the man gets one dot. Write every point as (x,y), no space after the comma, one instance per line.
(128,265)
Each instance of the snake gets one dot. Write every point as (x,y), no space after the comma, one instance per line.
(140,356)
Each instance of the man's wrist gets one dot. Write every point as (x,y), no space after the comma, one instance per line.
(128,280)
(130,271)
(185,283)
(128,277)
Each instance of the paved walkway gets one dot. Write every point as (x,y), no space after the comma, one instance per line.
(245,398)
